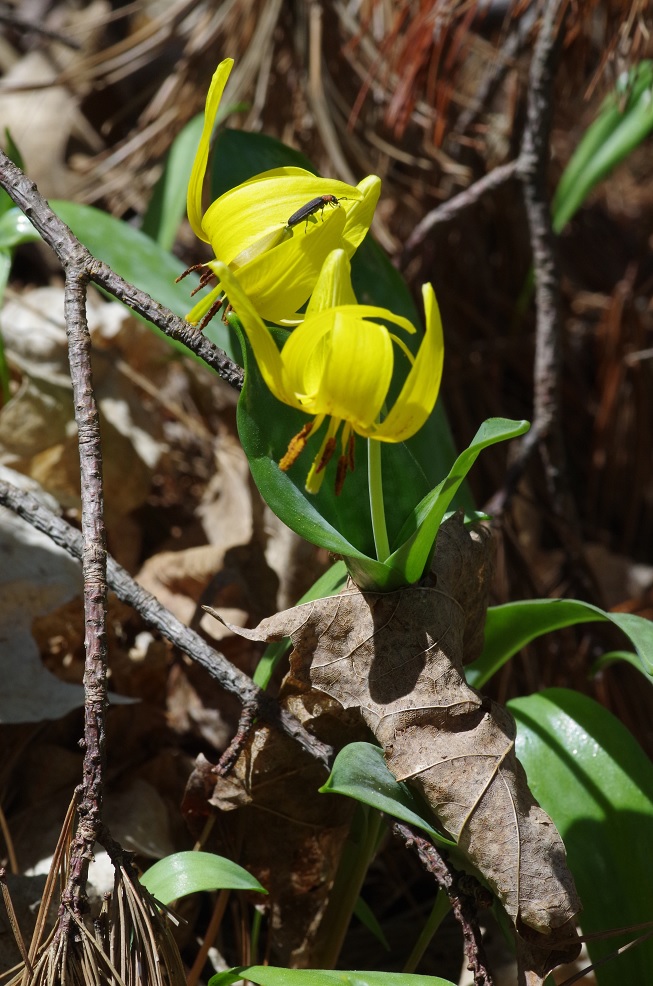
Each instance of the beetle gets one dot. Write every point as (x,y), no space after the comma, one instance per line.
(311,208)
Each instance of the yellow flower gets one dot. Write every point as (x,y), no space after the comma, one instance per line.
(338,365)
(276,265)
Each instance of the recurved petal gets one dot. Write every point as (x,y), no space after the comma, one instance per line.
(196,183)
(420,390)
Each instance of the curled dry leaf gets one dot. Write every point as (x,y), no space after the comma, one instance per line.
(397,658)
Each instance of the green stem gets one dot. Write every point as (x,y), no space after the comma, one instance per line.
(440,909)
(357,854)
(379,528)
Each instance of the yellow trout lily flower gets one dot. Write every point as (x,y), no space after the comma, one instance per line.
(338,365)
(276,265)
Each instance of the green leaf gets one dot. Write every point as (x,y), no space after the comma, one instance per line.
(510,627)
(167,206)
(329,584)
(366,916)
(239,156)
(613,656)
(16,228)
(417,536)
(625,119)
(360,772)
(266,975)
(342,523)
(185,873)
(591,776)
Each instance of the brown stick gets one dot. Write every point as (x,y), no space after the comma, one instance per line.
(94,564)
(462,902)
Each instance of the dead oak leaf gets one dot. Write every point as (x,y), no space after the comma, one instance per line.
(397,658)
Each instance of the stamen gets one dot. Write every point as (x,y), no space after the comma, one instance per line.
(189,270)
(296,445)
(327,453)
(213,310)
(345,463)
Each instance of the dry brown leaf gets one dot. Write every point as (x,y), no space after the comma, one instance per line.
(397,658)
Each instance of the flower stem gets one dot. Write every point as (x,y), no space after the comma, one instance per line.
(379,528)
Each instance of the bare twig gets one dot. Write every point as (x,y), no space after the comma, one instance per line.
(94,564)
(463,903)
(449,210)
(228,759)
(157,616)
(58,236)
(533,166)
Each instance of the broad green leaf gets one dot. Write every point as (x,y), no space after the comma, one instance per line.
(167,206)
(510,627)
(417,536)
(592,777)
(342,523)
(130,253)
(328,584)
(239,156)
(360,772)
(265,975)
(187,872)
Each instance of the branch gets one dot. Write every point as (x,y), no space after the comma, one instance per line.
(68,249)
(74,901)
(533,167)
(463,903)
(449,210)
(161,619)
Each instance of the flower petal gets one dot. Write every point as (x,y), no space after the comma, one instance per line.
(250,211)
(333,286)
(341,366)
(420,390)
(279,282)
(265,349)
(196,183)
(359,217)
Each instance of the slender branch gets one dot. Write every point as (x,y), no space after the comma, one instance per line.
(74,901)
(449,210)
(533,167)
(58,236)
(464,903)
(161,619)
